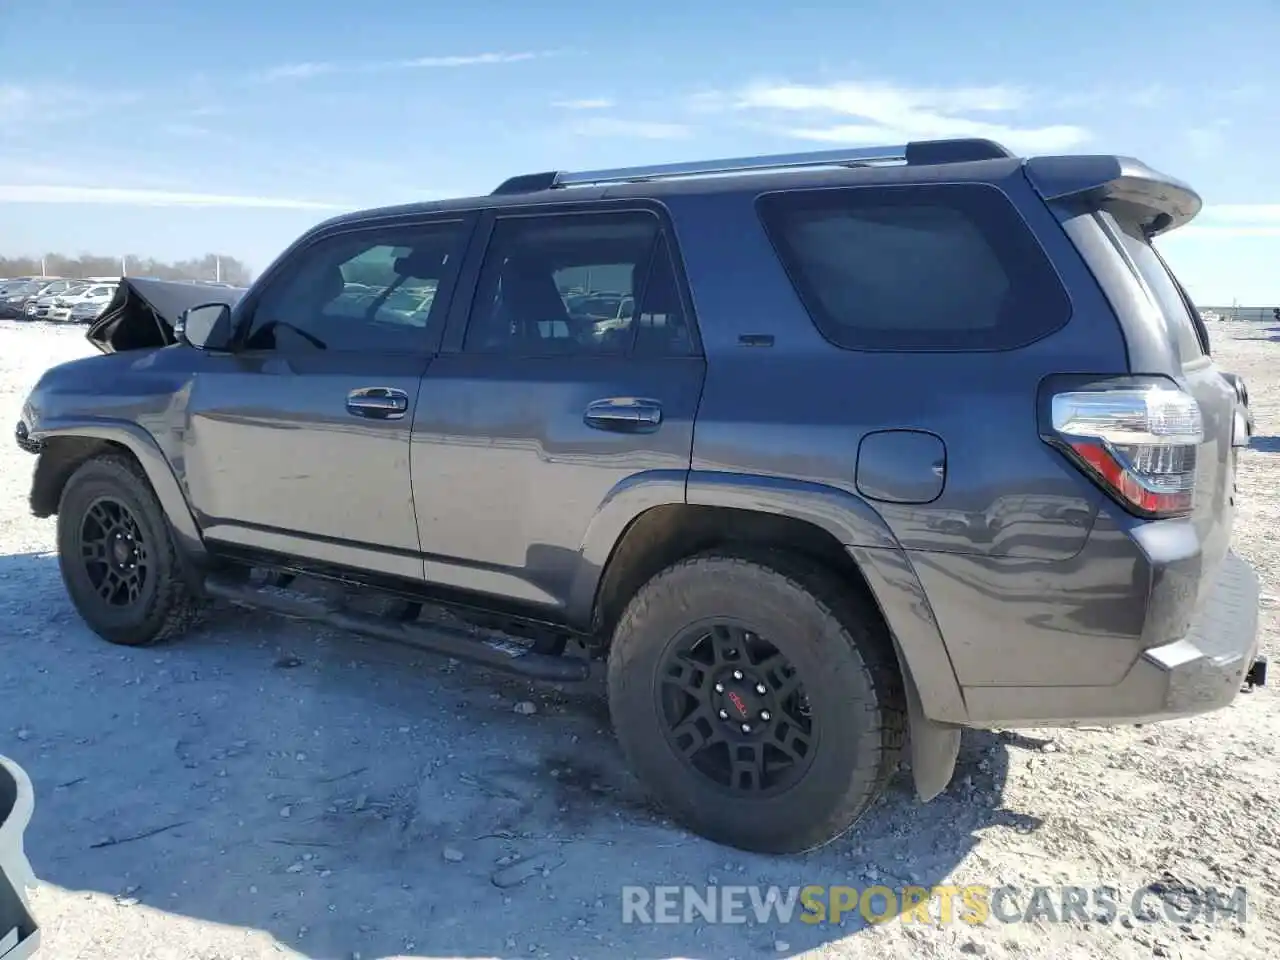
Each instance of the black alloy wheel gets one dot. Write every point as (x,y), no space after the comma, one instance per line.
(735,709)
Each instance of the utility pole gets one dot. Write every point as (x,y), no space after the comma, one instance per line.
(43,272)
(217,261)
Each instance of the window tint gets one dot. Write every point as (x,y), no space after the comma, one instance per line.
(566,284)
(369,291)
(926,267)
(662,329)
(1165,290)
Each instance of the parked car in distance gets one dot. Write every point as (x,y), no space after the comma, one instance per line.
(893,442)
(14,300)
(6,286)
(31,305)
(93,297)
(39,308)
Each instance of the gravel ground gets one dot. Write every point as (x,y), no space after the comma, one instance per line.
(306,793)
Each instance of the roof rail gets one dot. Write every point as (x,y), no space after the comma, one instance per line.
(920,152)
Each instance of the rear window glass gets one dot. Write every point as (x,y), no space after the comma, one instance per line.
(1164,290)
(921,267)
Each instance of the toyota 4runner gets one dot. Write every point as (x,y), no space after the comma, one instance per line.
(828,455)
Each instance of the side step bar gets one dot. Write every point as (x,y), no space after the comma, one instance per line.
(494,654)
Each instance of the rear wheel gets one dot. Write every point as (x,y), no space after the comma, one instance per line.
(118,559)
(758,698)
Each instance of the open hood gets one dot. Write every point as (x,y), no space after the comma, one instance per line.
(142,313)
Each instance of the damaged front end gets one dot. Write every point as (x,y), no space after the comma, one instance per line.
(143,313)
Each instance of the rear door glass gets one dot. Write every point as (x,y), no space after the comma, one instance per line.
(1163,288)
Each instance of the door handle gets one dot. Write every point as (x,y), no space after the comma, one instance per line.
(378,403)
(624,415)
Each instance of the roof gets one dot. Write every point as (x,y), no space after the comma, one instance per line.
(923,160)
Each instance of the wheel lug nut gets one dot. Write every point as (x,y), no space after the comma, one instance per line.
(737,674)
(719,688)
(724,714)
(761,689)
(766,716)
(746,728)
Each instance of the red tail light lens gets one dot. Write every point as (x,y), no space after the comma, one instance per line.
(1139,444)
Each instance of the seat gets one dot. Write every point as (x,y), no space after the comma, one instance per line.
(530,306)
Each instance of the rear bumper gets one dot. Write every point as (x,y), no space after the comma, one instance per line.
(1202,671)
(19,933)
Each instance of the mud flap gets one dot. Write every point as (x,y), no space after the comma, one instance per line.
(934,746)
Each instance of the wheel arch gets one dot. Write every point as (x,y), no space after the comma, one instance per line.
(64,447)
(828,526)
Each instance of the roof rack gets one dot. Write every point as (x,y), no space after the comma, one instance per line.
(916,153)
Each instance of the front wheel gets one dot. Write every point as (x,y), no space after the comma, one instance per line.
(118,559)
(758,698)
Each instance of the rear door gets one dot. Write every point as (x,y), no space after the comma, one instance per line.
(543,406)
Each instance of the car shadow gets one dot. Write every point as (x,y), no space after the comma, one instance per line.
(351,796)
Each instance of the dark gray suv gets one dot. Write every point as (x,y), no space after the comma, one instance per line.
(888,442)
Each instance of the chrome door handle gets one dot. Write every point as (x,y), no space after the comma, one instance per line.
(624,415)
(378,403)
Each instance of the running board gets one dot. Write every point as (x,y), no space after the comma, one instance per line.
(508,657)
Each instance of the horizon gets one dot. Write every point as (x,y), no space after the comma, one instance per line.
(239,144)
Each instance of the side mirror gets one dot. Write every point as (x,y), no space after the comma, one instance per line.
(205,327)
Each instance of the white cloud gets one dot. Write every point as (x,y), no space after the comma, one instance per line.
(1244,213)
(597,103)
(50,103)
(308,69)
(878,112)
(1209,231)
(638,129)
(123,196)
(1234,220)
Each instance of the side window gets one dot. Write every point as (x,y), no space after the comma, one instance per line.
(562,284)
(922,267)
(1164,288)
(662,329)
(366,291)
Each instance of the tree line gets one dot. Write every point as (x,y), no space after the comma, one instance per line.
(211,266)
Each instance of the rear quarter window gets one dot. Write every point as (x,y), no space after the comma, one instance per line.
(917,268)
(1162,287)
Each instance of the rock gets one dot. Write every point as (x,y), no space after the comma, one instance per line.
(974,949)
(453,854)
(286,812)
(24,734)
(781,946)
(1050,747)
(526,708)
(519,872)
(295,868)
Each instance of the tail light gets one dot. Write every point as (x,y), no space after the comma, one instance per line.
(1139,444)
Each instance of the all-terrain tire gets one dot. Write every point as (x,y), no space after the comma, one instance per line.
(841,651)
(166,606)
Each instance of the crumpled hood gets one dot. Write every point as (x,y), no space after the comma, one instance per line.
(143,312)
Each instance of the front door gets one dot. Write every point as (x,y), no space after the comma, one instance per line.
(298,441)
(573,376)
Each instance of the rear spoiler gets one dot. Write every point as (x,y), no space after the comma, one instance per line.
(143,312)
(1124,185)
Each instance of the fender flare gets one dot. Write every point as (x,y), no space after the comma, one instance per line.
(854,523)
(159,471)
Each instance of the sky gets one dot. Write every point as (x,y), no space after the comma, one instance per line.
(172,130)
